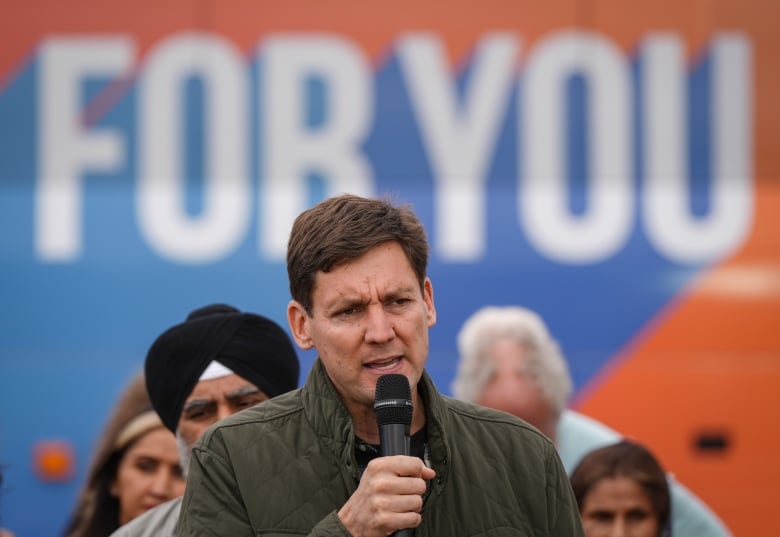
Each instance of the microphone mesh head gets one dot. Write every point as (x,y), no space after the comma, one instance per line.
(393,400)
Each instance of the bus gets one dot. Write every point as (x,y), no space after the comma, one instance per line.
(610,165)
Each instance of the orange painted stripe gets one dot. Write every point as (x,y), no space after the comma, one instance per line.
(712,365)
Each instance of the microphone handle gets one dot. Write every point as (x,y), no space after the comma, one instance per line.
(394,440)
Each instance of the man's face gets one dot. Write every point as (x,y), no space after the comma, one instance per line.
(511,389)
(369,318)
(214,399)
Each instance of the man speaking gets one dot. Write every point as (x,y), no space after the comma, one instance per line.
(307,462)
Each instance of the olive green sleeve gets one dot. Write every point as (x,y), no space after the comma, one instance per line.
(212,503)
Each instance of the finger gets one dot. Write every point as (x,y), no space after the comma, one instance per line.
(410,485)
(408,503)
(404,465)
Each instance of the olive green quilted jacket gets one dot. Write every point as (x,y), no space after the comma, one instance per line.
(285,467)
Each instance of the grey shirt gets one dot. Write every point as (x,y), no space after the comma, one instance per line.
(160,521)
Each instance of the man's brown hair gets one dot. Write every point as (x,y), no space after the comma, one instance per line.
(344,228)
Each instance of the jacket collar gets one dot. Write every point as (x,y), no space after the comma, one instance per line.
(333,424)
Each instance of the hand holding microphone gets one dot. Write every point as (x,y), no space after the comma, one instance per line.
(390,493)
(393,407)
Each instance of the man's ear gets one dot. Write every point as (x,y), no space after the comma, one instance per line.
(430,307)
(298,320)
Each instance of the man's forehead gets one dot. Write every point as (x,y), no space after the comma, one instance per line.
(338,285)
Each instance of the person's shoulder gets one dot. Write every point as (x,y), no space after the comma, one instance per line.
(159,521)
(578,434)
(691,516)
(581,424)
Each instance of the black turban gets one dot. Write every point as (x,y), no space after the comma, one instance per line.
(252,346)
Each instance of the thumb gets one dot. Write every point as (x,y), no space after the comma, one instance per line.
(428,473)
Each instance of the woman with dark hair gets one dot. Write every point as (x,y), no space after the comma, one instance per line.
(135,467)
(621,490)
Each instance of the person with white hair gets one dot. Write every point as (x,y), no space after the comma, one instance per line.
(526,374)
(509,361)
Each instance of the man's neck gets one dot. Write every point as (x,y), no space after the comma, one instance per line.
(367,429)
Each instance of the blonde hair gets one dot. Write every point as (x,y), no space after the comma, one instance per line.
(136,428)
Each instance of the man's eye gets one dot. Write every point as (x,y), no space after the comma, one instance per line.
(199,414)
(246,403)
(400,302)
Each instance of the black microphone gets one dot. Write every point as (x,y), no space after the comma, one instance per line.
(393,408)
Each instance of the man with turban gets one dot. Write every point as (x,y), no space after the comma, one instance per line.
(217,362)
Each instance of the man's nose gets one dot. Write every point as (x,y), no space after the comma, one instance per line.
(223,411)
(379,325)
